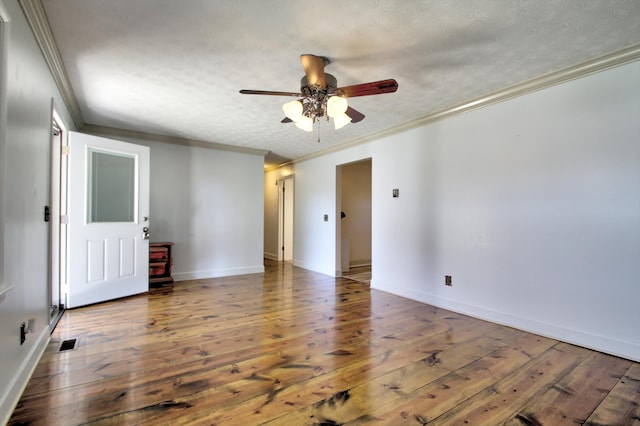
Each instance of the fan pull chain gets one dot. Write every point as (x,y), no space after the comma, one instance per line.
(318,132)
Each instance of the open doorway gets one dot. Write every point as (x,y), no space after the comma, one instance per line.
(354,227)
(285,216)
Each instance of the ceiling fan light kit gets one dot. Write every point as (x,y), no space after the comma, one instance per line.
(341,120)
(293,110)
(321,98)
(305,123)
(336,106)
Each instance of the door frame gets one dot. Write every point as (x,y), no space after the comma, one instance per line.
(285,216)
(58,232)
(4,44)
(340,247)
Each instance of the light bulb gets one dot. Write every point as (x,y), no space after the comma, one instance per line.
(293,110)
(305,123)
(336,106)
(341,120)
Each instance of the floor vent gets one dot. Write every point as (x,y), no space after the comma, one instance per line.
(68,345)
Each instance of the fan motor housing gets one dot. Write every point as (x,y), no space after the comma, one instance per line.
(330,80)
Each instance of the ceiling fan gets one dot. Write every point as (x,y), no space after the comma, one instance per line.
(321,98)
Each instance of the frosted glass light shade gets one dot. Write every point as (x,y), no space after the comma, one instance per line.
(336,106)
(293,110)
(341,120)
(305,123)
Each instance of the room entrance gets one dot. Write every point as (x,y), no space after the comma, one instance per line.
(353,228)
(285,223)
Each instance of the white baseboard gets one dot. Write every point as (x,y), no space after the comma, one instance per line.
(22,375)
(214,273)
(313,268)
(271,256)
(359,263)
(596,342)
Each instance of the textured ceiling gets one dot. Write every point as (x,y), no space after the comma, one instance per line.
(175,67)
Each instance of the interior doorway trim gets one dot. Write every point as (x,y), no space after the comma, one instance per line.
(57,213)
(4,35)
(286,215)
(353,215)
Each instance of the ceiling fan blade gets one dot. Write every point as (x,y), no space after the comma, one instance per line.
(314,69)
(286,120)
(269,92)
(366,89)
(356,116)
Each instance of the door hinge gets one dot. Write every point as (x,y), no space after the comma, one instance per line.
(47,214)
(64,149)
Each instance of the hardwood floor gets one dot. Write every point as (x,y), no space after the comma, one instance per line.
(293,347)
(359,273)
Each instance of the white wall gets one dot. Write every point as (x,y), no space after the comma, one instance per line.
(209,203)
(532,205)
(25,189)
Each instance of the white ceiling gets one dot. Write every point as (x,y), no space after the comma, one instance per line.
(175,67)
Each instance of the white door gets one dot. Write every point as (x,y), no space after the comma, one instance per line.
(108,219)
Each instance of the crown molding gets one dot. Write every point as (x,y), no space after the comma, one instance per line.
(4,291)
(151,137)
(615,59)
(35,14)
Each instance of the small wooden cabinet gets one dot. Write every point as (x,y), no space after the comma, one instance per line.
(160,263)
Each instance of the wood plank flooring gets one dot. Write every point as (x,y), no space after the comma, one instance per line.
(293,347)
(359,273)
